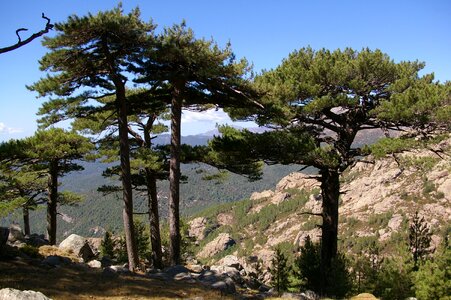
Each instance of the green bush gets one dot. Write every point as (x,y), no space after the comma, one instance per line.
(31,251)
(433,279)
(107,246)
(308,271)
(394,280)
(280,272)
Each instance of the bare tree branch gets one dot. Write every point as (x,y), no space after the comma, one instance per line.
(21,43)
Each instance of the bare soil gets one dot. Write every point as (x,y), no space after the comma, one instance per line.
(81,282)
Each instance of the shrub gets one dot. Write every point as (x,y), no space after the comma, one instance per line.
(308,271)
(279,271)
(433,279)
(107,246)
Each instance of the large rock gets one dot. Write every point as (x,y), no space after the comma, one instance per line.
(77,245)
(15,233)
(36,240)
(220,243)
(231,261)
(197,228)
(13,294)
(217,281)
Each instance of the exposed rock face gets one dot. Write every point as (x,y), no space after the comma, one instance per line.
(13,294)
(224,219)
(220,243)
(217,281)
(297,180)
(197,228)
(280,197)
(262,195)
(77,245)
(95,244)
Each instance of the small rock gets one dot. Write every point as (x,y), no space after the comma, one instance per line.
(287,295)
(194,268)
(309,295)
(95,264)
(13,294)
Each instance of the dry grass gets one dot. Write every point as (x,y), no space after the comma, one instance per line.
(80,282)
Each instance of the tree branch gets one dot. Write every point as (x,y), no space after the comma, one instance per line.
(21,43)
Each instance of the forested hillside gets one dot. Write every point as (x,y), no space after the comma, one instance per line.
(98,212)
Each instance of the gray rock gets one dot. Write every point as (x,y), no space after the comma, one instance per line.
(291,296)
(217,281)
(77,245)
(231,261)
(13,294)
(55,260)
(15,233)
(226,286)
(179,273)
(309,295)
(36,240)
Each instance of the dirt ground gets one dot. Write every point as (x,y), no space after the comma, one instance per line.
(81,282)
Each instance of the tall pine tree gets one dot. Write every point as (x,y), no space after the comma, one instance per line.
(88,61)
(195,74)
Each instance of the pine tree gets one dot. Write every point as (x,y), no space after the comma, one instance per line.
(87,62)
(419,240)
(194,73)
(107,246)
(280,272)
(318,101)
(48,154)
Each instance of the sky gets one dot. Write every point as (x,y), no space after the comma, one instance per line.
(263,31)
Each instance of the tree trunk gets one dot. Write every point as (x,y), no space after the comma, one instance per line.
(52,186)
(174,178)
(330,190)
(26,220)
(154,220)
(127,212)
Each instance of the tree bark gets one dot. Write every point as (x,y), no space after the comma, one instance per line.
(174,177)
(127,212)
(52,202)
(154,220)
(330,190)
(26,220)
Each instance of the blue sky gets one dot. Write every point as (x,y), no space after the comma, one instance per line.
(262,31)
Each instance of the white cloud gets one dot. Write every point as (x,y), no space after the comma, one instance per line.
(8,130)
(211,115)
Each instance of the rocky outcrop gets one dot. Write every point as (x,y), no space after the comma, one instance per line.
(77,245)
(220,243)
(13,294)
(197,228)
(224,219)
(297,180)
(261,195)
